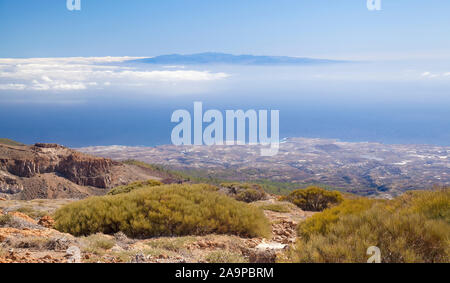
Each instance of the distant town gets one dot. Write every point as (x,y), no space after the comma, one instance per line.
(365,168)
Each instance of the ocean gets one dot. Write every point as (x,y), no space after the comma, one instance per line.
(392,103)
(148,124)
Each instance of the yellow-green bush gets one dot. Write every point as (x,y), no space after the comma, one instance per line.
(320,222)
(411,228)
(245,192)
(133,186)
(169,210)
(314,198)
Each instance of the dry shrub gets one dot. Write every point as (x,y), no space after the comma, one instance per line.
(314,198)
(98,243)
(411,228)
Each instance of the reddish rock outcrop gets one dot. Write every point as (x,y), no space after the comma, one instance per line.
(82,169)
(46,221)
(87,171)
(52,171)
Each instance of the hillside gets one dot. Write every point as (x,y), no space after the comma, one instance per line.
(10,142)
(54,171)
(197,224)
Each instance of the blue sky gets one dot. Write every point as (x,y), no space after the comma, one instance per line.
(315,28)
(396,93)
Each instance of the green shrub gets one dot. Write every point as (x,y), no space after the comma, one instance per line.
(433,204)
(133,186)
(244,191)
(250,195)
(320,222)
(169,210)
(225,257)
(410,228)
(314,198)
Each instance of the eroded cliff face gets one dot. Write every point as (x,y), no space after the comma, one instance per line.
(53,171)
(9,184)
(82,169)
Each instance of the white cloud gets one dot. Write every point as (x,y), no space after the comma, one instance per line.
(429,75)
(12,86)
(74,86)
(80,73)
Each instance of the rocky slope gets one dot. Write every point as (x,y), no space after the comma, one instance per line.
(54,171)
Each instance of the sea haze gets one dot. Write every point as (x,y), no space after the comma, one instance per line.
(131,103)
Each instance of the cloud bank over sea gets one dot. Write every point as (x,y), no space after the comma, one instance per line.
(91,73)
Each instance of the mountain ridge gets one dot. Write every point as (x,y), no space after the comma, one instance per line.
(230,59)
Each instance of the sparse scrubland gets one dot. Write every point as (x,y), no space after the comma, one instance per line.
(414,227)
(225,257)
(226,223)
(5,219)
(169,210)
(278,207)
(133,186)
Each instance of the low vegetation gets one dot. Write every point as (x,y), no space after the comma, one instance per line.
(414,227)
(10,142)
(314,198)
(133,186)
(174,244)
(33,243)
(245,192)
(169,210)
(161,169)
(225,257)
(31,212)
(98,243)
(283,208)
(5,219)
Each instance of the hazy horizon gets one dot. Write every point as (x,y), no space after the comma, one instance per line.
(66,76)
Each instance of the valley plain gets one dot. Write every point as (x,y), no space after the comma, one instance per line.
(364,168)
